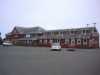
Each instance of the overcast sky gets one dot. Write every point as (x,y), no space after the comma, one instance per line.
(49,14)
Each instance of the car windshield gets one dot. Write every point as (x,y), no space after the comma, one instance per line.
(55,44)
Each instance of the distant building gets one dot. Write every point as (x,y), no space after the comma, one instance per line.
(87,37)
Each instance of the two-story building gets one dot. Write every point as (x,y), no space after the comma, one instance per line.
(87,37)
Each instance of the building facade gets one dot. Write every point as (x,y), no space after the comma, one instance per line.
(87,37)
(1,41)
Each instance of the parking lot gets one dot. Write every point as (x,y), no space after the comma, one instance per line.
(16,60)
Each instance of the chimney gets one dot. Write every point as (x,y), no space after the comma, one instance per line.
(94,24)
(87,25)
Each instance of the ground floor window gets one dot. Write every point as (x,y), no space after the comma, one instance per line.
(40,41)
(84,41)
(45,41)
(78,41)
(72,41)
(56,40)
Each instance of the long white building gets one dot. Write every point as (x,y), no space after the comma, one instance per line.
(87,37)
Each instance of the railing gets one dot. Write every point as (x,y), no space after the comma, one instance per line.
(64,36)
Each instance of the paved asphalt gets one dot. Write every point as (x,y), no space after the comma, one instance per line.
(42,61)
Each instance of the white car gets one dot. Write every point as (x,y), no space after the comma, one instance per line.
(56,46)
(7,43)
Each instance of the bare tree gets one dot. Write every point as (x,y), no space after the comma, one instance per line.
(0,39)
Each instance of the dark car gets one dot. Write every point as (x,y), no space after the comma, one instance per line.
(71,49)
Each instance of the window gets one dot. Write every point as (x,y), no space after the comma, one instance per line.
(95,30)
(71,32)
(83,31)
(45,41)
(72,41)
(78,41)
(75,32)
(87,31)
(66,41)
(56,33)
(60,32)
(48,33)
(54,40)
(67,32)
(40,41)
(84,40)
(16,36)
(64,32)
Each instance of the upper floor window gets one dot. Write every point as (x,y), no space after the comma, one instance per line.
(31,35)
(60,32)
(71,32)
(48,33)
(67,32)
(40,35)
(87,31)
(56,33)
(84,31)
(95,30)
(64,32)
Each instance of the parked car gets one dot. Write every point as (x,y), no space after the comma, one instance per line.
(56,47)
(7,43)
